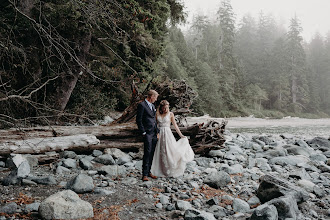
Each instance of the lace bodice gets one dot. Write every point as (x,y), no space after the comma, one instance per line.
(164,122)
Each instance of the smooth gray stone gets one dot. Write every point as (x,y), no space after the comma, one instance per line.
(9,208)
(81,184)
(69,163)
(48,180)
(241,206)
(319,143)
(218,211)
(286,207)
(182,205)
(254,200)
(97,153)
(265,212)
(105,159)
(217,180)
(124,159)
(194,214)
(203,161)
(26,182)
(102,191)
(272,187)
(112,170)
(65,205)
(318,157)
(61,170)
(33,207)
(289,160)
(114,152)
(68,154)
(85,164)
(319,192)
(164,199)
(300,173)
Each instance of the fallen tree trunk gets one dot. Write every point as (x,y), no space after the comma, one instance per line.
(82,138)
(42,145)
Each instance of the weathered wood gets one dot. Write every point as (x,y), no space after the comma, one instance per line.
(41,145)
(123,136)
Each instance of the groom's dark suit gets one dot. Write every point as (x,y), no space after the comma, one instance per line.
(146,121)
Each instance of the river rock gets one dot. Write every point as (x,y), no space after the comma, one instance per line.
(112,170)
(194,214)
(265,212)
(44,180)
(81,184)
(9,208)
(319,143)
(85,164)
(240,205)
(70,163)
(68,154)
(105,159)
(218,179)
(306,184)
(182,205)
(115,152)
(65,205)
(272,187)
(298,150)
(286,207)
(218,211)
(33,207)
(289,160)
(318,157)
(125,159)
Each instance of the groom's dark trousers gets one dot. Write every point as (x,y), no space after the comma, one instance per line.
(146,121)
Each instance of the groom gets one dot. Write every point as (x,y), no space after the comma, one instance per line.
(146,121)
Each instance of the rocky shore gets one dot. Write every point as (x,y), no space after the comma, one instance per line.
(261,177)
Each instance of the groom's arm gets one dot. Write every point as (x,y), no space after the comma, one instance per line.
(139,115)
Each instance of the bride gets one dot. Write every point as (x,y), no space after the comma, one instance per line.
(170,156)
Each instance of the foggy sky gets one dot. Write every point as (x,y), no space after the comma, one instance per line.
(314,15)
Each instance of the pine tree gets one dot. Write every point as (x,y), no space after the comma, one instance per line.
(297,66)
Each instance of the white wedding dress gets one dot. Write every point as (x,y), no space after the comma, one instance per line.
(170,156)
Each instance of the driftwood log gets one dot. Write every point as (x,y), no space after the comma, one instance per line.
(122,133)
(87,138)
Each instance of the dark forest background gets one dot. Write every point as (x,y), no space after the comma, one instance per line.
(72,60)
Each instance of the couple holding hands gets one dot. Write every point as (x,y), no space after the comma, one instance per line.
(163,155)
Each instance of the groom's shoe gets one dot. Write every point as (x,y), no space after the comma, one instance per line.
(145,178)
(152,176)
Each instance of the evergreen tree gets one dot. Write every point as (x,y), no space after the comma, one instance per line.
(229,73)
(297,67)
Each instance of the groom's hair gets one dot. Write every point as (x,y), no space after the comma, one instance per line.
(152,92)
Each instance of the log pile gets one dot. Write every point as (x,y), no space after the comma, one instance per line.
(122,133)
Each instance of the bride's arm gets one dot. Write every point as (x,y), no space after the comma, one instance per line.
(175,125)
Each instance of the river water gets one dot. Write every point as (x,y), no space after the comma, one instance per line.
(300,127)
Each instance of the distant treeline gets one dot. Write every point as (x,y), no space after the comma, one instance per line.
(73,59)
(254,67)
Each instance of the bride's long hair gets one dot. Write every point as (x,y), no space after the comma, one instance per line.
(161,105)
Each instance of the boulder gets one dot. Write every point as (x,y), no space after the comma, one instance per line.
(65,205)
(272,187)
(218,179)
(265,212)
(81,184)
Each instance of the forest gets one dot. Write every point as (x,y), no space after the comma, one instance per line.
(74,61)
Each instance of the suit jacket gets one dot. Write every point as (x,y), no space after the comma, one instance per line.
(146,118)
